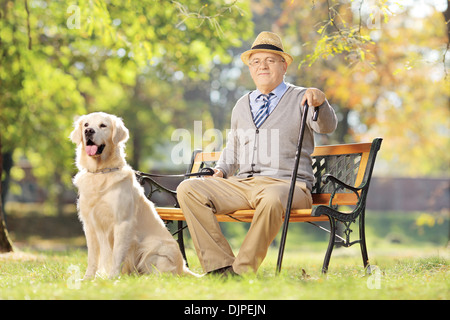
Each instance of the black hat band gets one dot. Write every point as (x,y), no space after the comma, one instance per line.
(267,46)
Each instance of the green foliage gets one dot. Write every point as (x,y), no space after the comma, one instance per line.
(382,67)
(171,35)
(59,60)
(346,31)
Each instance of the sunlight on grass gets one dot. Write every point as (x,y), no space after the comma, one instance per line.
(55,276)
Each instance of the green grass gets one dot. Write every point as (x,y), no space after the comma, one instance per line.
(412,262)
(403,274)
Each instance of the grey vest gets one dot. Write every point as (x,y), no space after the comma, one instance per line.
(270,150)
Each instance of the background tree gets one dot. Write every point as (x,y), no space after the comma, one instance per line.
(383,67)
(5,242)
(58,61)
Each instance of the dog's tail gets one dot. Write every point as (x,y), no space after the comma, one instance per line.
(187,271)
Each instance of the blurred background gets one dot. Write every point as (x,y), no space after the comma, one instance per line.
(165,66)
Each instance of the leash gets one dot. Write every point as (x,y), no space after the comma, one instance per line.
(202,172)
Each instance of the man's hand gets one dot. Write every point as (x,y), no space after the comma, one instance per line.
(217,173)
(314,96)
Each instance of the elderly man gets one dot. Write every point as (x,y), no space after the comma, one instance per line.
(255,167)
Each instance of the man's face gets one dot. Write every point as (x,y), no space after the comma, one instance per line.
(267,70)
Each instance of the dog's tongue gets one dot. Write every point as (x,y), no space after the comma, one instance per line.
(91,150)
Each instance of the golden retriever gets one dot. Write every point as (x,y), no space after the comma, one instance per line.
(123,231)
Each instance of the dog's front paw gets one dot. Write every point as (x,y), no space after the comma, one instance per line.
(114,275)
(88,276)
(90,272)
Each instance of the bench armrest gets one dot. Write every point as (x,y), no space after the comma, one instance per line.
(155,186)
(331,210)
(328,177)
(338,184)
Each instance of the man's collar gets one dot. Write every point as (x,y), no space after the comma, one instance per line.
(278,91)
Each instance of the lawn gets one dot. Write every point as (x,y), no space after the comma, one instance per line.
(409,263)
(420,273)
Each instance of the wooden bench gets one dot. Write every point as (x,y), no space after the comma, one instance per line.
(342,176)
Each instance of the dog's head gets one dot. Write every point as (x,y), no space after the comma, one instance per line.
(98,135)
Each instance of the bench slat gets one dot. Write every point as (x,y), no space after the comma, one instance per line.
(337,149)
(299,215)
(348,199)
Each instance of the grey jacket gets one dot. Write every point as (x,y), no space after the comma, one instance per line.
(270,150)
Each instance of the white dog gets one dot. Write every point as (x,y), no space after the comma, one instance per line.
(123,231)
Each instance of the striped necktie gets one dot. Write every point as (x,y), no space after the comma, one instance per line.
(263,111)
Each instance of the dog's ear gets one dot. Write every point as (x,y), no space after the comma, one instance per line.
(120,132)
(77,134)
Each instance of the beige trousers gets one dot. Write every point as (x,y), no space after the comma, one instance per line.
(201,198)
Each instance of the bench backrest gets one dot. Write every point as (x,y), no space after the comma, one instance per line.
(351,163)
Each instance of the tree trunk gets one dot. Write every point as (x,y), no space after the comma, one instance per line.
(446,14)
(5,242)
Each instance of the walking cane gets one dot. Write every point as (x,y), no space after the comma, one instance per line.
(287,215)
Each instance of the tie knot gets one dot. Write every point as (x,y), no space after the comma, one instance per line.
(265,97)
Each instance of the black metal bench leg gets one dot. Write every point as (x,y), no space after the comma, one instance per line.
(331,242)
(180,241)
(362,237)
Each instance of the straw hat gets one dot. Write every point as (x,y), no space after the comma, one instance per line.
(267,42)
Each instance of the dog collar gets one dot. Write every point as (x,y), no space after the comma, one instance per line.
(106,170)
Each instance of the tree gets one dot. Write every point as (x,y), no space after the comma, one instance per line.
(58,61)
(385,75)
(5,242)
